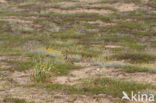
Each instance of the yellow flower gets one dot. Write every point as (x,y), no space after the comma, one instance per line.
(33,70)
(48,72)
(149,64)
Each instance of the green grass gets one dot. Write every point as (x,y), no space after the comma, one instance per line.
(60,0)
(102,8)
(133,30)
(109,38)
(130,68)
(86,53)
(21,66)
(121,1)
(45,1)
(67,34)
(64,69)
(46,66)
(18,65)
(15,100)
(72,19)
(129,27)
(89,26)
(152,3)
(10,52)
(135,57)
(135,46)
(97,86)
(115,87)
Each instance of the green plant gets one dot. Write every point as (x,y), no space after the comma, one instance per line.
(135,57)
(15,100)
(42,70)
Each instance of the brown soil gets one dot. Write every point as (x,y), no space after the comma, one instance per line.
(76,76)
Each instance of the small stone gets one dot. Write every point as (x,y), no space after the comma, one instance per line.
(102,95)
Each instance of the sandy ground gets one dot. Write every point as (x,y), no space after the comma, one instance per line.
(8,78)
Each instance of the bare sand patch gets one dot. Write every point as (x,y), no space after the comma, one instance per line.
(126,7)
(21,77)
(113,46)
(31,45)
(122,7)
(101,12)
(89,1)
(67,4)
(139,77)
(39,95)
(77,75)
(15,20)
(2,1)
(100,23)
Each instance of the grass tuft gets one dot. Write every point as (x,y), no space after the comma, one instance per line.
(15,100)
(98,86)
(135,57)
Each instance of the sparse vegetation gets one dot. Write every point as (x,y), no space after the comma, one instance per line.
(51,63)
(135,57)
(15,100)
(98,86)
(75,48)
